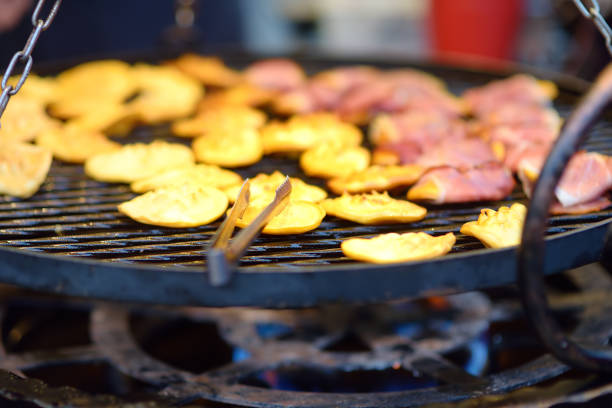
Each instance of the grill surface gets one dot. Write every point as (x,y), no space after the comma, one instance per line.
(69,238)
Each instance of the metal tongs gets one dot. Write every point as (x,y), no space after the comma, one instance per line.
(223,255)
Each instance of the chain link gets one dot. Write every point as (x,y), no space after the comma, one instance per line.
(592,12)
(24,57)
(50,17)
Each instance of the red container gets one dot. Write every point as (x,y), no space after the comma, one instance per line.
(475,27)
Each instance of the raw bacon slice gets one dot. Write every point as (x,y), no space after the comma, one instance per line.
(355,93)
(407,99)
(518,89)
(509,135)
(532,152)
(417,90)
(527,164)
(357,103)
(461,154)
(397,91)
(342,79)
(396,153)
(515,115)
(328,87)
(313,96)
(324,91)
(520,142)
(597,204)
(414,78)
(276,74)
(298,100)
(586,177)
(423,127)
(491,181)
(403,137)
(520,129)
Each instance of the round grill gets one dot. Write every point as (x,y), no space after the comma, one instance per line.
(69,237)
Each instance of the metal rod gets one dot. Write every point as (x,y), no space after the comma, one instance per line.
(247,235)
(218,267)
(222,255)
(532,248)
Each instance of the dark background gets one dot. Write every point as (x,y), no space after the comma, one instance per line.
(550,34)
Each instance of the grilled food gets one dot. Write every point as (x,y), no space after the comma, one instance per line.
(73,145)
(164,93)
(491,181)
(277,74)
(112,118)
(266,184)
(137,161)
(229,147)
(422,128)
(241,94)
(40,89)
(460,154)
(519,89)
(296,218)
(82,89)
(330,160)
(182,206)
(594,205)
(392,247)
(587,177)
(378,178)
(218,118)
(198,174)
(23,168)
(208,70)
(23,119)
(498,229)
(306,131)
(373,208)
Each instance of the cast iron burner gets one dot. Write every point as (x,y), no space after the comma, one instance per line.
(474,347)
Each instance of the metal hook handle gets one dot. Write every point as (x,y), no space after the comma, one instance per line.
(532,248)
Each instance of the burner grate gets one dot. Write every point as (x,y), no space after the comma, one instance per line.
(441,350)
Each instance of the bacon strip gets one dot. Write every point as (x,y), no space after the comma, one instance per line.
(324,91)
(597,204)
(491,181)
(519,89)
(461,154)
(277,74)
(586,177)
(423,127)
(519,115)
(531,155)
(520,136)
(356,93)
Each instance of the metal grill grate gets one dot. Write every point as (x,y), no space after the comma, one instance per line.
(77,217)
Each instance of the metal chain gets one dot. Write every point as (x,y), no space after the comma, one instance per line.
(592,12)
(24,57)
